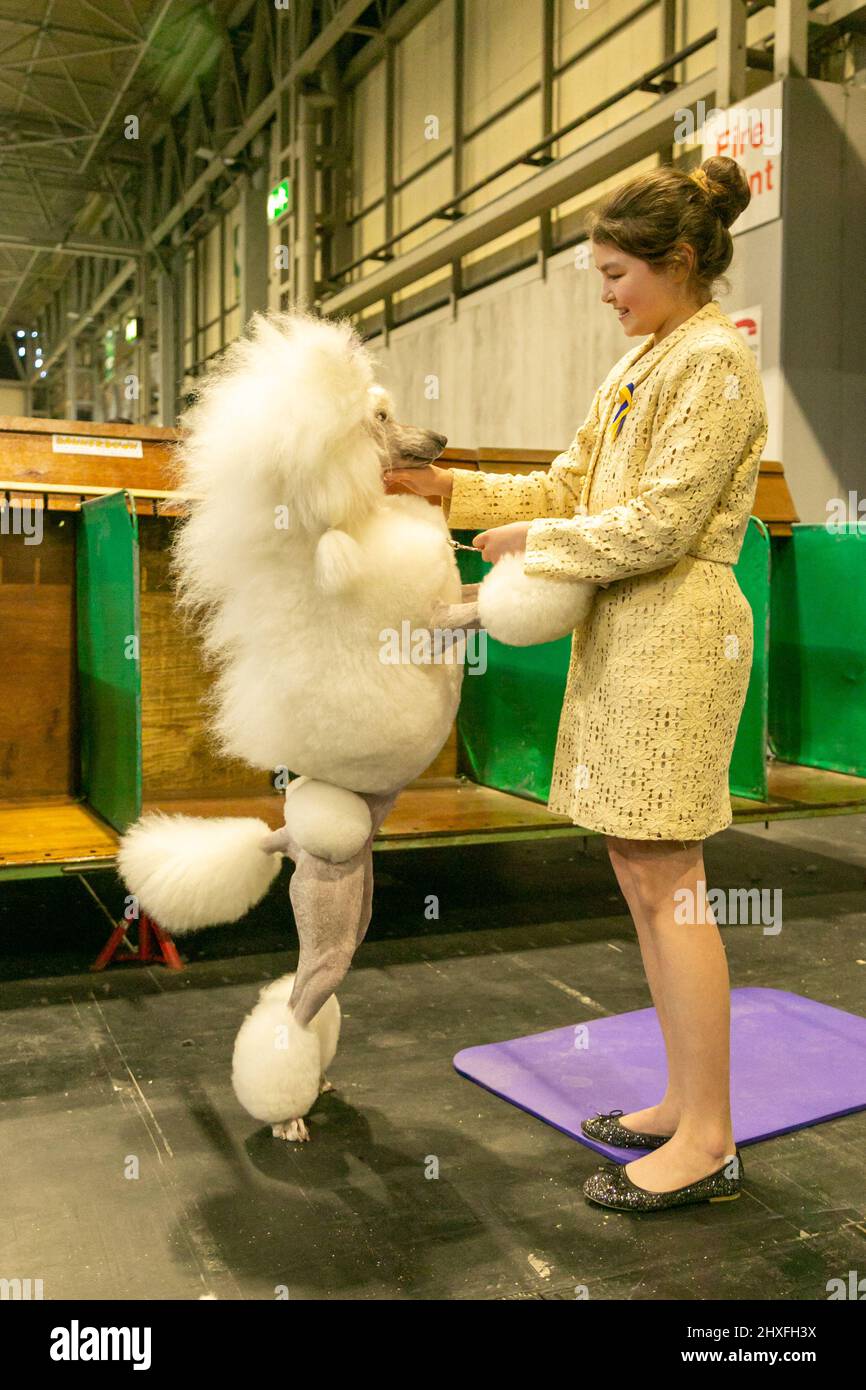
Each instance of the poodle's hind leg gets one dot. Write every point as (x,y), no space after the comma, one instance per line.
(326,899)
(332,904)
(379,806)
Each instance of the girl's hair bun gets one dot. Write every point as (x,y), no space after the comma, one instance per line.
(726,186)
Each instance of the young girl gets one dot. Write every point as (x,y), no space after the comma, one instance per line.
(652,501)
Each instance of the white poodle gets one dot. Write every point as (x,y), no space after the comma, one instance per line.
(302,573)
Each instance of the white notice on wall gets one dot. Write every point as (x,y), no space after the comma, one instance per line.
(749,323)
(91,444)
(752,135)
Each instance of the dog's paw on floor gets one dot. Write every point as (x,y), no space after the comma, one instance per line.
(294,1130)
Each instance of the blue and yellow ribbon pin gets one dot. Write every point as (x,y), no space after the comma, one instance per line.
(625,398)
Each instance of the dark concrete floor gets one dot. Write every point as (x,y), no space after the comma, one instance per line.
(100,1071)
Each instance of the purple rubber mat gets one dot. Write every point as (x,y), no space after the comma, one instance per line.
(794,1063)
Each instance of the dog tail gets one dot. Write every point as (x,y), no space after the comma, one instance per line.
(191,872)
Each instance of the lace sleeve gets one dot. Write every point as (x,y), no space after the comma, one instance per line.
(705,424)
(483,499)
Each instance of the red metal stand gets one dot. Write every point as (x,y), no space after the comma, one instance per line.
(153,944)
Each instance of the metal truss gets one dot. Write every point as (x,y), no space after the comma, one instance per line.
(197,150)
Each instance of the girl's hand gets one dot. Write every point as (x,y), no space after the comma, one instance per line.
(428,481)
(502,540)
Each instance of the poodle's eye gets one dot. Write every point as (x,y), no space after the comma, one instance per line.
(381,414)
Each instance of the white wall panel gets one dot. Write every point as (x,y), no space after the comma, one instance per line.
(424,66)
(502,47)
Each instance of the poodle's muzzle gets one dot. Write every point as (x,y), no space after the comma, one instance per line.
(410,447)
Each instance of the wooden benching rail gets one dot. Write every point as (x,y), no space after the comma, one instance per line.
(69,496)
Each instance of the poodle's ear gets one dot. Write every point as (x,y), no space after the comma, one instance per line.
(338,562)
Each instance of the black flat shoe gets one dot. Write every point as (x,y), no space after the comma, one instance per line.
(612,1187)
(606,1129)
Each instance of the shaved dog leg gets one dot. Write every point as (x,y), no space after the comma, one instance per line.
(332,904)
(326,899)
(379,808)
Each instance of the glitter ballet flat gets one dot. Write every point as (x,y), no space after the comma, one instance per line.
(606,1129)
(612,1187)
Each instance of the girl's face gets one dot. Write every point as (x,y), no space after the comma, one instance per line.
(644,300)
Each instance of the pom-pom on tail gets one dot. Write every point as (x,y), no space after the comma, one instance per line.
(189,872)
(338,562)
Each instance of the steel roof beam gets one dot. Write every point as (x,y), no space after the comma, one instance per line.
(128,76)
(74,246)
(342,22)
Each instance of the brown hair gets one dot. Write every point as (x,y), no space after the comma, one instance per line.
(647,216)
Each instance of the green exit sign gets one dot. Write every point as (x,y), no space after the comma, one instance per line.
(279,200)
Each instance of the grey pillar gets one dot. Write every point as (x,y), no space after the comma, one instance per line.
(142,355)
(730,52)
(96,377)
(791,47)
(168,302)
(306,222)
(253,235)
(70,409)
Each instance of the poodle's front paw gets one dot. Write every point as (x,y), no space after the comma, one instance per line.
(295,1130)
(324,1086)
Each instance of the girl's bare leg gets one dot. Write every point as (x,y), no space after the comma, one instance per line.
(688,974)
(664,1116)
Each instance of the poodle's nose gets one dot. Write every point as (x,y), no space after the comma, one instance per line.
(440,439)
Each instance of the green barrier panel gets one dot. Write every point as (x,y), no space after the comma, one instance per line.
(107,602)
(818,648)
(509,716)
(747,775)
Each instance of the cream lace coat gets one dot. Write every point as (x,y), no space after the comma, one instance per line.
(651,500)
